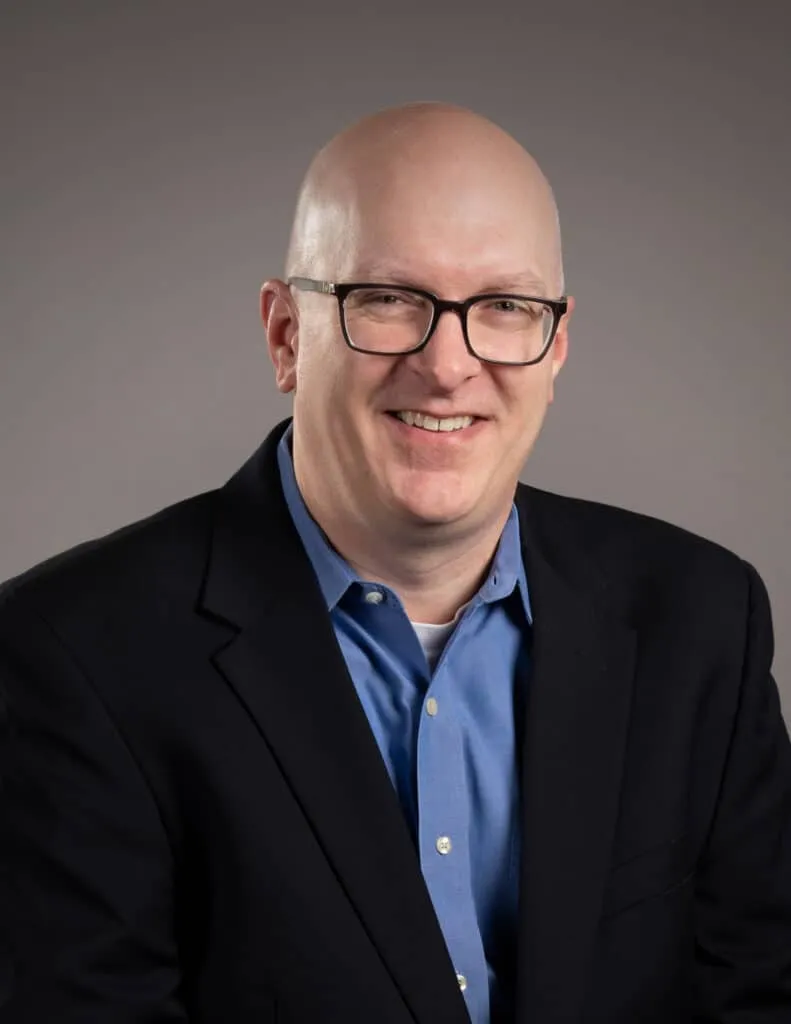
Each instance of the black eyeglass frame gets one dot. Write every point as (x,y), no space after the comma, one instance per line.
(558,307)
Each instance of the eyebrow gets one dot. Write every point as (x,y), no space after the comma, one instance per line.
(527,283)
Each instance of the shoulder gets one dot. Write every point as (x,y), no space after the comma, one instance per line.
(639,562)
(605,530)
(161,553)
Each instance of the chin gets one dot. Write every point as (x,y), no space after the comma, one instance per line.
(433,507)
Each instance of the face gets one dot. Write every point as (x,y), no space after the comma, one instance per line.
(352,454)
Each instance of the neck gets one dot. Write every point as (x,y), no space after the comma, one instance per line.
(431,590)
(433,571)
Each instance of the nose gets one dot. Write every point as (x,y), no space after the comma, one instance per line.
(446,362)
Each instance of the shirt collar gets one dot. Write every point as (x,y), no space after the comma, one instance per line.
(335,575)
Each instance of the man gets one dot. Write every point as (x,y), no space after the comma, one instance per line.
(374,733)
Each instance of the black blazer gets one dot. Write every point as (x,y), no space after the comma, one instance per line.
(197,825)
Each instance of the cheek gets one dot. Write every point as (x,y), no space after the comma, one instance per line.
(337,386)
(524,391)
(528,406)
(317,370)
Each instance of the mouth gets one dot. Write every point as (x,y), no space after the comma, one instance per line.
(434,424)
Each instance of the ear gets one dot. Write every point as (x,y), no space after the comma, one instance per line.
(280,318)
(560,346)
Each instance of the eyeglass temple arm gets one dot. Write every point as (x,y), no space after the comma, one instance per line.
(308,284)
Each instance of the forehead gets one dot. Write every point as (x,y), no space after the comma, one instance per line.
(456,280)
(443,234)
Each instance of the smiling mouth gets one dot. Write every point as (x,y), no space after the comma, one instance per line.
(445,424)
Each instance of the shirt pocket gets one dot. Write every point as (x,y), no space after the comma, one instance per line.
(644,876)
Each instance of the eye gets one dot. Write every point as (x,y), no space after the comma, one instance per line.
(394,300)
(510,307)
(516,307)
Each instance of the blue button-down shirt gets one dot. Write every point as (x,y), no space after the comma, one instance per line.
(445,729)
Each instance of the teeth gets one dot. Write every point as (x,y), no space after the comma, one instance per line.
(418,419)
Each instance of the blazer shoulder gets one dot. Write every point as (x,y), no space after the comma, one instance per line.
(156,552)
(633,551)
(600,520)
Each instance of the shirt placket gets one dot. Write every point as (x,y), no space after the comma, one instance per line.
(444,839)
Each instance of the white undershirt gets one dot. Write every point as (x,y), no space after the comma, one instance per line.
(433,637)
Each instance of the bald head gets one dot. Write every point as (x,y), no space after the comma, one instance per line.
(422,188)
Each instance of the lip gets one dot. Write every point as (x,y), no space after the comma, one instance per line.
(437,415)
(417,435)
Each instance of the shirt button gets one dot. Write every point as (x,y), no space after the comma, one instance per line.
(462,982)
(444,845)
(374,597)
(431,706)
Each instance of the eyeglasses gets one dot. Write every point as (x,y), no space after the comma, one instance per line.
(387,320)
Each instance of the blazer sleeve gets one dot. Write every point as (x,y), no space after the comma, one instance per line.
(743,884)
(86,904)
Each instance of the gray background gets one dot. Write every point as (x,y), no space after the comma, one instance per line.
(151,153)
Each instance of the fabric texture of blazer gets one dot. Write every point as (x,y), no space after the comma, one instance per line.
(197,824)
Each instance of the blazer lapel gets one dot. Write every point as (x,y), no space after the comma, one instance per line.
(287,669)
(577,706)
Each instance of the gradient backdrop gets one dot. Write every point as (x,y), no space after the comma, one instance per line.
(151,153)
